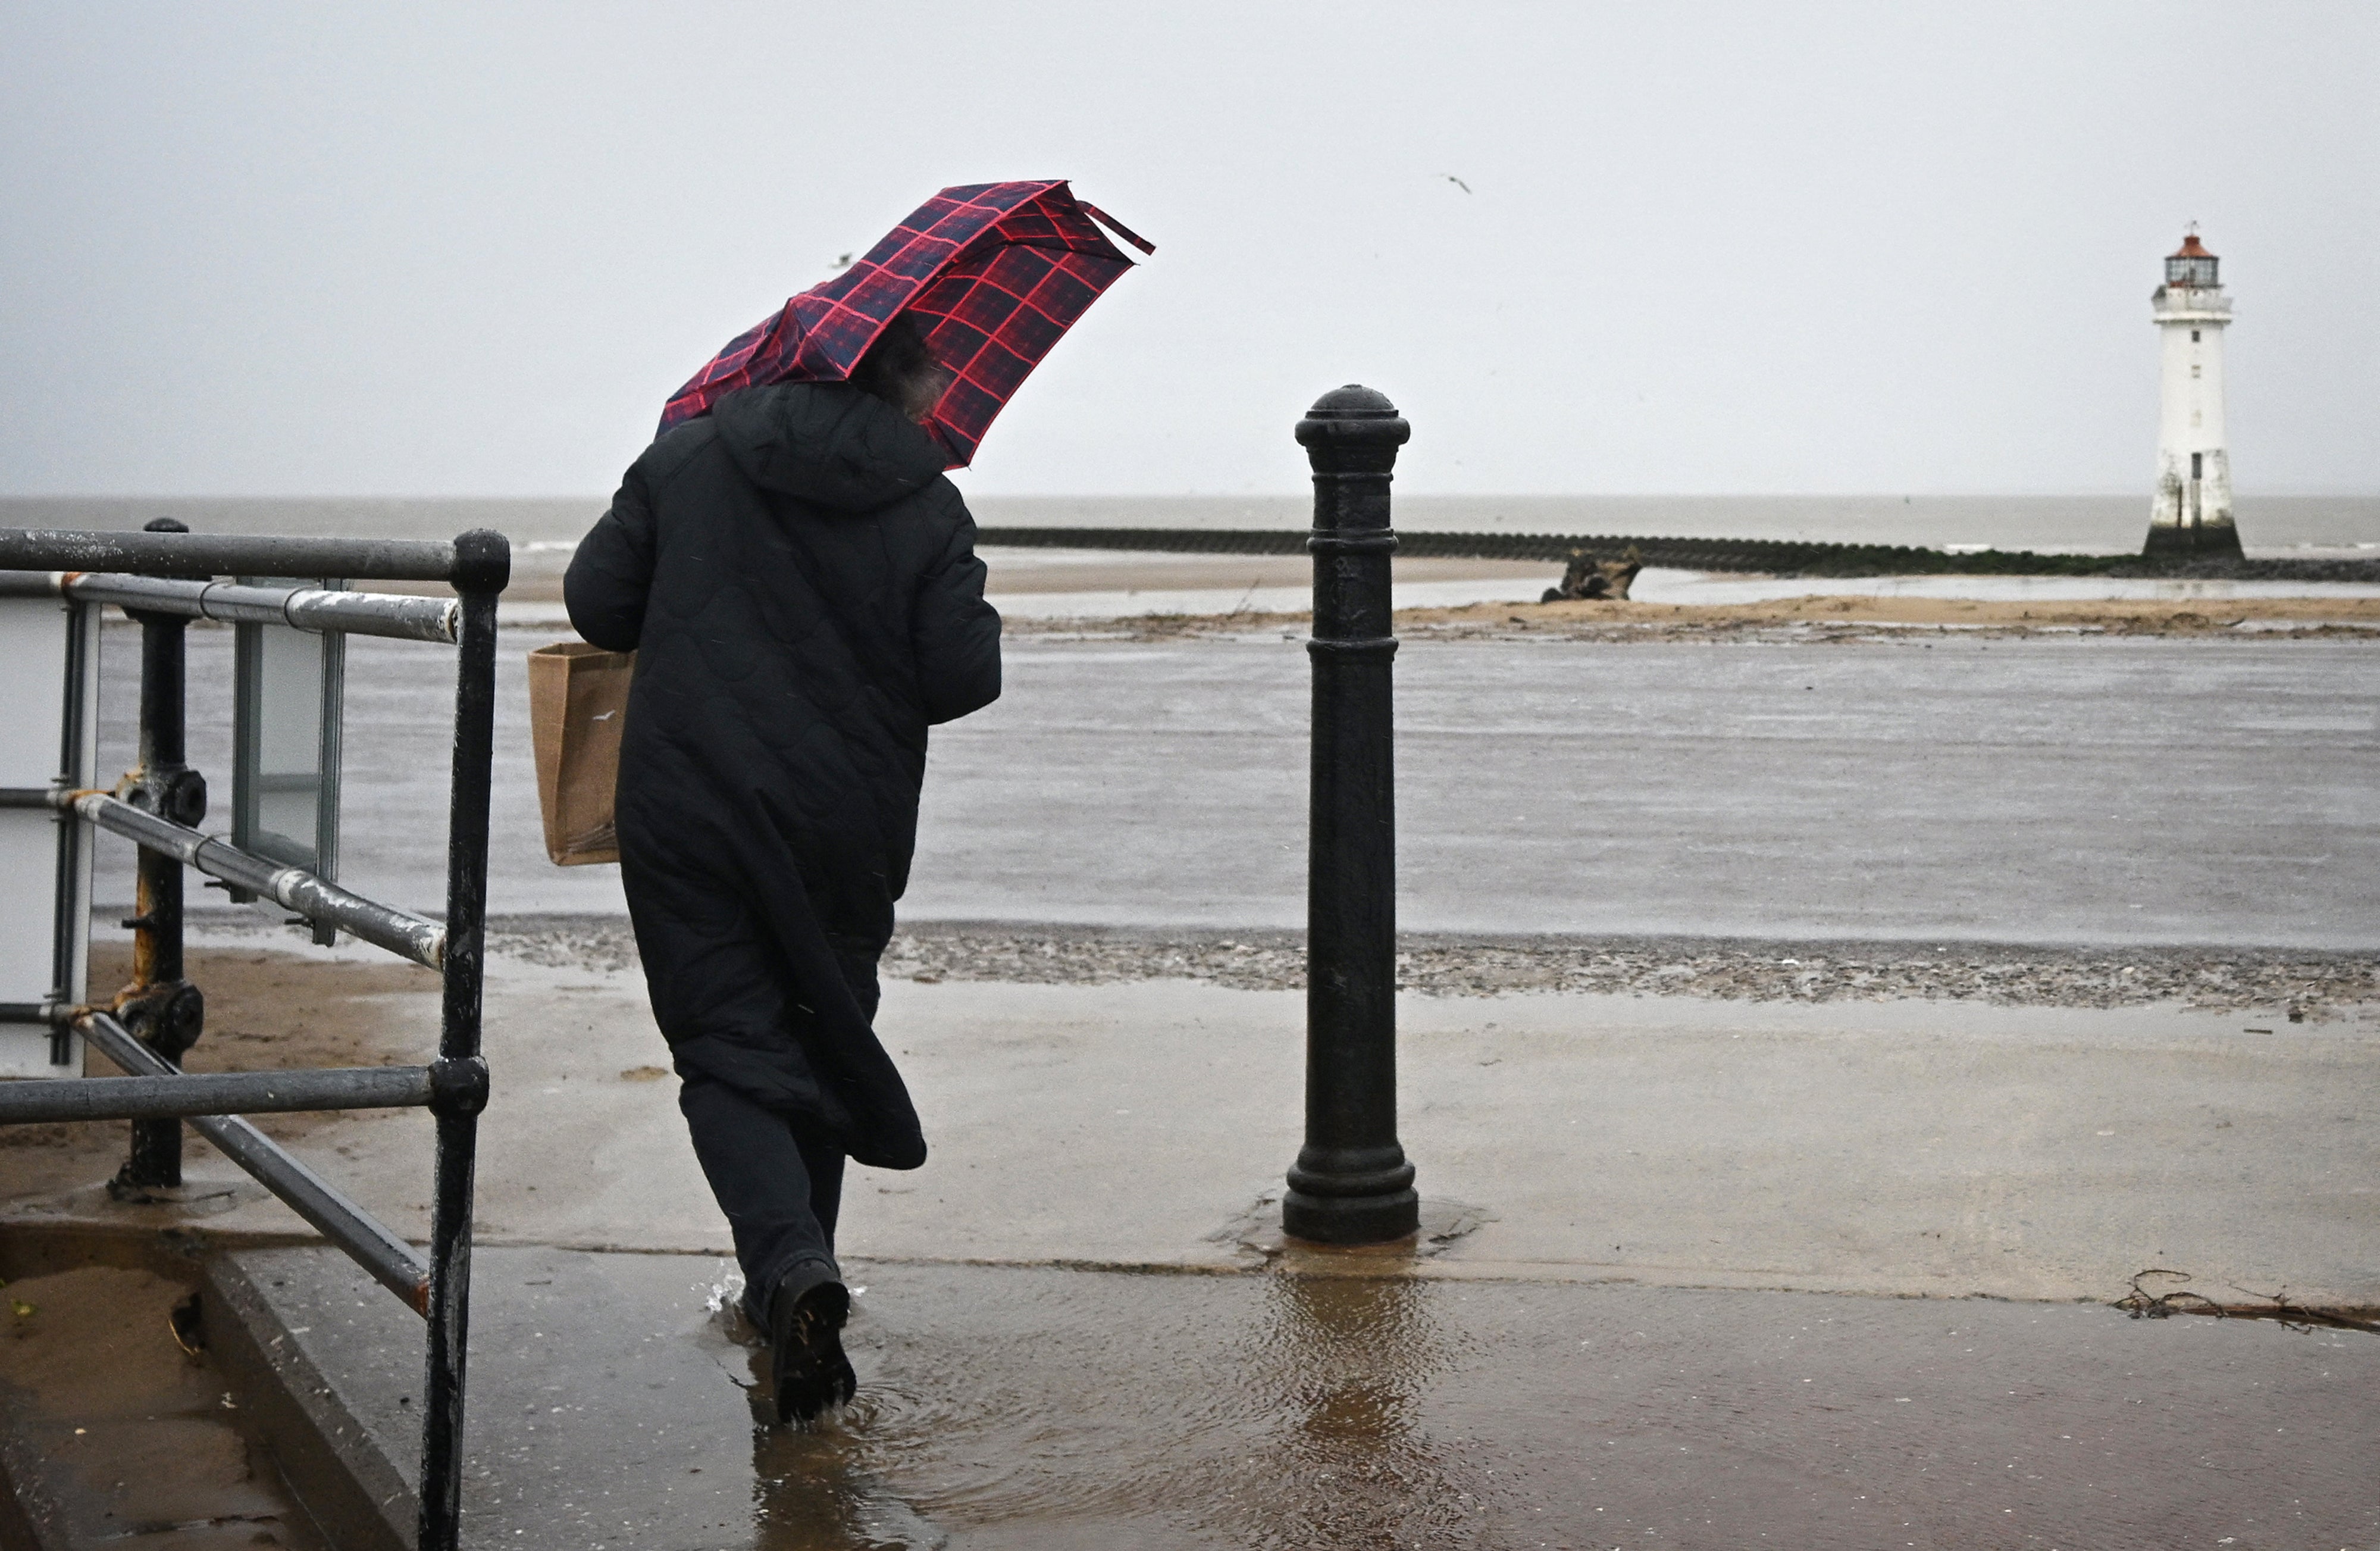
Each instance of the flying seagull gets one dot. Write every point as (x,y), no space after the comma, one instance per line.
(1456,181)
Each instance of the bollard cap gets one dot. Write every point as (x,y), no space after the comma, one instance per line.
(1354,417)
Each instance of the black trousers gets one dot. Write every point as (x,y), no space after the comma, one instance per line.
(778,1178)
(781,1189)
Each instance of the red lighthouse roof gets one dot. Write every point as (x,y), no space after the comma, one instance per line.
(2191,267)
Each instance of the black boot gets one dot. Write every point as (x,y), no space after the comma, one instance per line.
(805,1314)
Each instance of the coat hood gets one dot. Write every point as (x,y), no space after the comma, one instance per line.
(829,443)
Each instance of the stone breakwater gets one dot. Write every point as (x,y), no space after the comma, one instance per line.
(2279,982)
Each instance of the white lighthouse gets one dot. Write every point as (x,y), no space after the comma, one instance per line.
(2193,514)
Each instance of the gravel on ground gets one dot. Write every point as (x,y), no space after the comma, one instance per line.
(2294,984)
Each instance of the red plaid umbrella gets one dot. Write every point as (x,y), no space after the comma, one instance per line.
(994,273)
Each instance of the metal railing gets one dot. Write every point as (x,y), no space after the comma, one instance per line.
(164,579)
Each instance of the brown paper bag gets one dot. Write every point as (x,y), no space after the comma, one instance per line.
(577,700)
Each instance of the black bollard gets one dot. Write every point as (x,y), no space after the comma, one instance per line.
(1350,1183)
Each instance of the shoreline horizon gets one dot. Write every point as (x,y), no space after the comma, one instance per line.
(2271,524)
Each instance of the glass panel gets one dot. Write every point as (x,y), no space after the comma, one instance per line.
(49,664)
(34,645)
(285,759)
(289,744)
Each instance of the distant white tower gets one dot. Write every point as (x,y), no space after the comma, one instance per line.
(2193,514)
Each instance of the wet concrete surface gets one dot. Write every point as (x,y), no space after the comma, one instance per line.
(1899,1147)
(2098,792)
(1044,1408)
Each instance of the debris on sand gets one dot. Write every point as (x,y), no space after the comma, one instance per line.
(1586,576)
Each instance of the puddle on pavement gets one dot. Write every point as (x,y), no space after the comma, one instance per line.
(1014,1409)
(1003,1409)
(1292,1423)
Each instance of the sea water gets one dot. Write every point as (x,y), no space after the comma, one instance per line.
(2072,524)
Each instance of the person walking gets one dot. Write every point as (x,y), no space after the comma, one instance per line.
(798,580)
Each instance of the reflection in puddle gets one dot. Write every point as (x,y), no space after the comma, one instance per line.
(1345,1361)
(811,1490)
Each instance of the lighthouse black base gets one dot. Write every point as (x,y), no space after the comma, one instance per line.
(2209,540)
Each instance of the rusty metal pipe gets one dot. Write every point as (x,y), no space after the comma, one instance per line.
(401,932)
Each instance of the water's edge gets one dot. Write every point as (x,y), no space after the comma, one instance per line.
(2049,524)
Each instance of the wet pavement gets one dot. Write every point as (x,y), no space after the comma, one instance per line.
(1042,1408)
(2069,791)
(1604,1357)
(1601,1357)
(1902,1147)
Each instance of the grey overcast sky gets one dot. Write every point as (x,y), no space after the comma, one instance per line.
(428,249)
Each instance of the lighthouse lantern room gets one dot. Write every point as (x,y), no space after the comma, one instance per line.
(2193,514)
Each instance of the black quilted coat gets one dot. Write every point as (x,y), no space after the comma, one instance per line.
(800,587)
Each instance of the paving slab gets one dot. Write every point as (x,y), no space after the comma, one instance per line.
(1012,1407)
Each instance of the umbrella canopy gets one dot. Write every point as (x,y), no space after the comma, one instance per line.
(993,274)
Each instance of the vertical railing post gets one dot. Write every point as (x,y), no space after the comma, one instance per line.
(482,565)
(1350,1183)
(165,1011)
